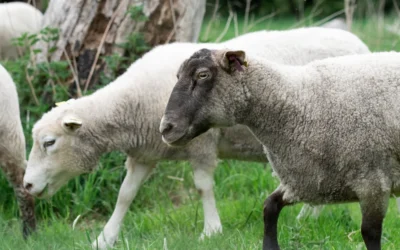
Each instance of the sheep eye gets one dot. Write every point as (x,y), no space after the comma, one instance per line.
(202,75)
(48,143)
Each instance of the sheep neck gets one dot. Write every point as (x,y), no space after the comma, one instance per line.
(112,115)
(273,104)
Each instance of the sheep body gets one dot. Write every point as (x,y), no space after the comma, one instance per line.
(346,99)
(12,149)
(129,110)
(16,19)
(343,143)
(331,128)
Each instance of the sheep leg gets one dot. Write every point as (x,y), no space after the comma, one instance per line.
(398,204)
(272,208)
(204,182)
(135,175)
(373,209)
(306,210)
(15,174)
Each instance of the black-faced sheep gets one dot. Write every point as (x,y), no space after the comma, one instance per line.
(331,128)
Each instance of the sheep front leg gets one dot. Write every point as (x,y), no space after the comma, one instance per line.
(15,174)
(272,208)
(136,174)
(204,182)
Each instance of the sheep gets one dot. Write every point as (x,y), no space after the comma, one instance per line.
(125,116)
(330,129)
(337,23)
(12,149)
(16,18)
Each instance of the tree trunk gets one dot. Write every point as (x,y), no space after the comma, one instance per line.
(91,29)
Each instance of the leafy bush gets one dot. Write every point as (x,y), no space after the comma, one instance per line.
(39,86)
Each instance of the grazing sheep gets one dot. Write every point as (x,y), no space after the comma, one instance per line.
(330,129)
(12,149)
(16,18)
(125,116)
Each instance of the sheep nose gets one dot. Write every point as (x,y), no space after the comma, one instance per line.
(166,127)
(28,186)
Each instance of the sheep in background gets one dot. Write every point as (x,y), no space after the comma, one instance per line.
(12,149)
(125,116)
(330,129)
(16,18)
(337,23)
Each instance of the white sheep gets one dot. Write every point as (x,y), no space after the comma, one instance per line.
(331,129)
(337,23)
(12,149)
(16,18)
(125,116)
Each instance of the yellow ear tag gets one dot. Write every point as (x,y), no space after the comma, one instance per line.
(246,64)
(58,104)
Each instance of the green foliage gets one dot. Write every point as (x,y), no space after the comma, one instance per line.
(39,87)
(136,13)
(134,47)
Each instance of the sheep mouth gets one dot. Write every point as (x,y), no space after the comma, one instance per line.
(176,140)
(43,194)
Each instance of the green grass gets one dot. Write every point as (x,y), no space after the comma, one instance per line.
(240,191)
(170,210)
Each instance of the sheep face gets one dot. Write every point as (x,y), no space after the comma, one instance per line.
(59,153)
(206,95)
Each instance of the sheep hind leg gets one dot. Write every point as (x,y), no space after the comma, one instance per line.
(398,204)
(308,210)
(204,182)
(136,174)
(15,175)
(373,209)
(272,207)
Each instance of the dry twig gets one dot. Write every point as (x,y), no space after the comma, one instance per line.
(29,80)
(332,16)
(246,15)
(213,17)
(228,22)
(171,6)
(349,7)
(101,46)
(74,74)
(262,19)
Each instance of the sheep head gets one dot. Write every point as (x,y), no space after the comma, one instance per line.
(208,94)
(61,150)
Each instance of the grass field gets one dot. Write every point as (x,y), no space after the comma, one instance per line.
(169,212)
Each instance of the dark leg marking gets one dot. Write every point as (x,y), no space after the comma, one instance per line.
(15,175)
(373,206)
(272,208)
(371,230)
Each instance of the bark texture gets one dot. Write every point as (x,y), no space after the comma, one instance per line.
(90,29)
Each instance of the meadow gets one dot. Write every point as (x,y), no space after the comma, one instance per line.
(167,212)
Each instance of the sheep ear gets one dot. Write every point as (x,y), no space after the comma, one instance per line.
(234,60)
(71,123)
